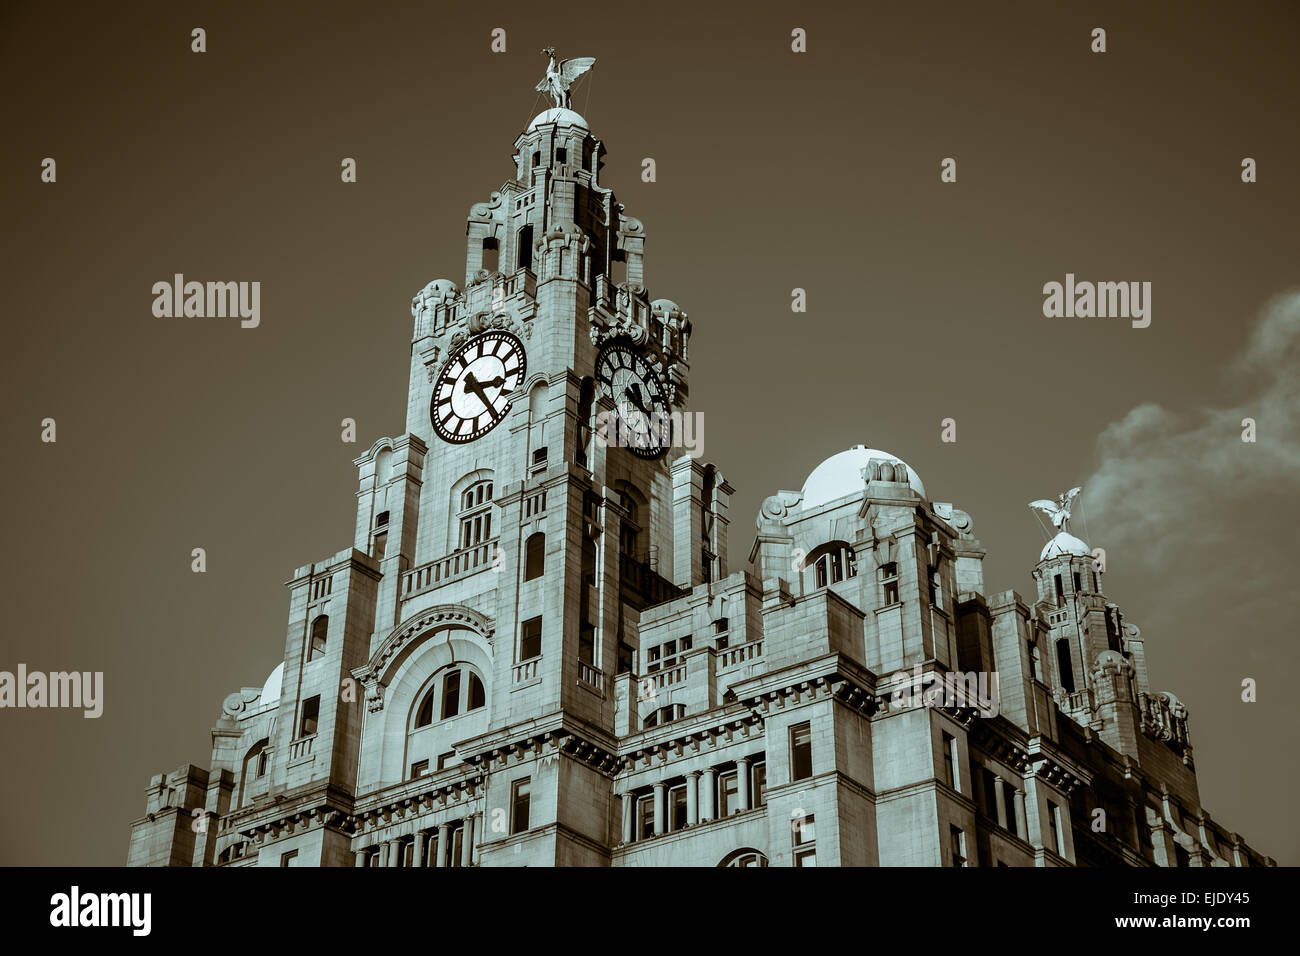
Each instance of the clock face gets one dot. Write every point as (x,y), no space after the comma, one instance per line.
(644,426)
(474,390)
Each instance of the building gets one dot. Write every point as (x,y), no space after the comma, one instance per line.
(538,651)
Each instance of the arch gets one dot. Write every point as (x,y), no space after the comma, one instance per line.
(318,638)
(480,483)
(535,556)
(477,630)
(829,564)
(745,856)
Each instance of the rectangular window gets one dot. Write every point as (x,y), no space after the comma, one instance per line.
(448,760)
(889,583)
(1054,826)
(520,799)
(758,788)
(310,716)
(263,763)
(958,846)
(990,802)
(803,829)
(561,155)
(677,808)
(1078,582)
(456,845)
(652,659)
(530,639)
(800,752)
(950,760)
(728,793)
(645,808)
(1060,590)
(805,858)
(419,769)
(1009,800)
(451,695)
(289,859)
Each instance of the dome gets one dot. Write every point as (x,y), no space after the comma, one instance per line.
(271,689)
(841,475)
(560,116)
(1065,543)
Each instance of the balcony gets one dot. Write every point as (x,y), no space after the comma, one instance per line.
(525,671)
(300,749)
(455,566)
(592,677)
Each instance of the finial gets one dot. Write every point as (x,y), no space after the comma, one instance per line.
(1058,510)
(560,77)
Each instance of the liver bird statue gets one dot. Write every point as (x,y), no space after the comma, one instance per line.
(1058,510)
(559,78)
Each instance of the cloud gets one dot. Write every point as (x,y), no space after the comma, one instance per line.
(1172,482)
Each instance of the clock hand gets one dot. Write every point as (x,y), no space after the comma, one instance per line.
(472,384)
(633,392)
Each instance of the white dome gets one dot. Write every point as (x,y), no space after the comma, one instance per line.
(1065,543)
(560,116)
(271,689)
(841,475)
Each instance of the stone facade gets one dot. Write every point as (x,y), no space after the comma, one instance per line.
(536,652)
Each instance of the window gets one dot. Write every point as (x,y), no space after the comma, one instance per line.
(451,695)
(889,583)
(800,752)
(526,247)
(448,760)
(1054,827)
(950,760)
(744,858)
(1009,801)
(664,715)
(263,762)
(1060,590)
(424,716)
(289,859)
(832,563)
(491,254)
(1033,659)
(310,716)
(520,799)
(530,639)
(677,808)
(537,158)
(958,836)
(1064,666)
(932,576)
(475,514)
(456,844)
(629,531)
(803,837)
(534,556)
(476,696)
(645,816)
(419,769)
(380,546)
(1078,582)
(561,155)
(319,629)
(381,519)
(990,784)
(728,794)
(758,786)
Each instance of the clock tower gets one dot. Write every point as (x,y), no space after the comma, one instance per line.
(539,499)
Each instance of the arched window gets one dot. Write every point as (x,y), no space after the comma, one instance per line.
(744,857)
(526,247)
(457,691)
(829,564)
(475,514)
(316,644)
(535,556)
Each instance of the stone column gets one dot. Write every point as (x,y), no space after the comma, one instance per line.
(383,853)
(361,857)
(692,798)
(742,784)
(444,836)
(1022,823)
(706,795)
(394,852)
(1000,799)
(421,838)
(467,842)
(629,821)
(659,809)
